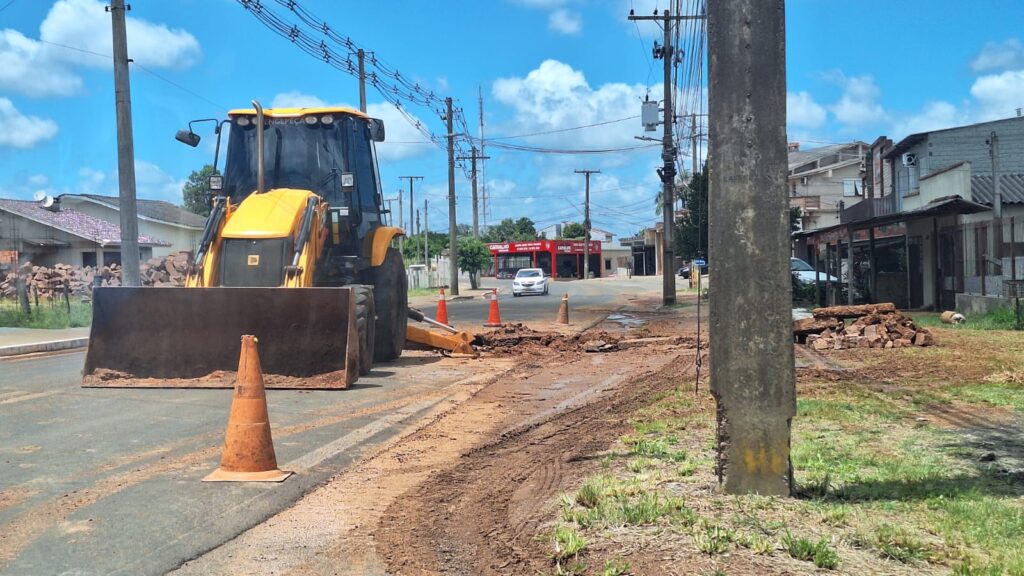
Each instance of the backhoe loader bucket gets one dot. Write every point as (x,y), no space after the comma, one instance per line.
(188,337)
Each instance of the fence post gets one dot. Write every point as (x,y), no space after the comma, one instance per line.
(22,289)
(67,295)
(35,294)
(1013,250)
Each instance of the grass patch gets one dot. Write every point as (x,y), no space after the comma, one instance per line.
(48,317)
(712,539)
(898,544)
(998,319)
(615,567)
(819,552)
(568,543)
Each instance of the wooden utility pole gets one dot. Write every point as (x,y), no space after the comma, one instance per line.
(361,55)
(586,221)
(476,213)
(125,149)
(751,288)
(453,240)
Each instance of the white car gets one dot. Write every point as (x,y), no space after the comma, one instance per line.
(529,281)
(806,274)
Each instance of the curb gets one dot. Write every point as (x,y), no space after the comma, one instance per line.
(36,347)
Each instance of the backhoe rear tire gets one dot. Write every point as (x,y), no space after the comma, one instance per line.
(366,326)
(391,294)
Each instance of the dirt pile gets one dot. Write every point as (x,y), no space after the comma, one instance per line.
(867,326)
(50,282)
(515,339)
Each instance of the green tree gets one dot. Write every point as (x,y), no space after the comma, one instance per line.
(509,230)
(691,238)
(796,218)
(474,257)
(196,191)
(573,230)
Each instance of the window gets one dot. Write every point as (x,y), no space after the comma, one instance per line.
(607,263)
(794,188)
(851,187)
(89,259)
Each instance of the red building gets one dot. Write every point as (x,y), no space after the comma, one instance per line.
(559,258)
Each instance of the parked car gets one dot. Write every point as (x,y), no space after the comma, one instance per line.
(529,281)
(506,273)
(806,274)
(684,272)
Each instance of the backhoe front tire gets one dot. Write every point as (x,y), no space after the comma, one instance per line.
(391,294)
(366,326)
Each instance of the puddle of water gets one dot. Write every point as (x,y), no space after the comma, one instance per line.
(626,320)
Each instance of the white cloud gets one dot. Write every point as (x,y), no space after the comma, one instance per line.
(858,105)
(803,111)
(42,68)
(565,22)
(1006,55)
(999,95)
(555,96)
(25,67)
(90,181)
(934,116)
(442,83)
(38,180)
(296,99)
(152,183)
(399,132)
(20,131)
(85,24)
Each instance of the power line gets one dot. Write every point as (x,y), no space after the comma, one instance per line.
(560,130)
(539,150)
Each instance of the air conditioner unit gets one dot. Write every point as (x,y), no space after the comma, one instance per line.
(910,159)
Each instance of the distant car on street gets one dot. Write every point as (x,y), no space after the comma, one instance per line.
(506,273)
(529,281)
(684,272)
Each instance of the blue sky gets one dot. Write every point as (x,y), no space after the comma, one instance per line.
(856,70)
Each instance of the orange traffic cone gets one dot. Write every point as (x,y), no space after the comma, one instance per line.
(494,317)
(563,310)
(248,448)
(442,309)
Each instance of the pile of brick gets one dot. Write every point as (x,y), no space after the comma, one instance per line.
(866,326)
(49,282)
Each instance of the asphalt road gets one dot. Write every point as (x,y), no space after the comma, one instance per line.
(107,481)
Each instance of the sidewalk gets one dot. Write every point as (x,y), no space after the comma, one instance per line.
(17,341)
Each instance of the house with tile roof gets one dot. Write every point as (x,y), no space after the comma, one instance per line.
(59,234)
(822,178)
(179,227)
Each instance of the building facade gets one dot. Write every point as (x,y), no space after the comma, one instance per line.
(822,178)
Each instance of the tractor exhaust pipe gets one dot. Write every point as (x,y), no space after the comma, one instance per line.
(260,189)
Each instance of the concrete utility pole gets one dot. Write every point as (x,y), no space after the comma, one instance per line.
(412,205)
(483,171)
(476,213)
(751,320)
(401,223)
(586,222)
(362,80)
(667,172)
(125,150)
(426,236)
(418,222)
(997,192)
(453,240)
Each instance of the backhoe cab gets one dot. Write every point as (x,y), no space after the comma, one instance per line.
(295,251)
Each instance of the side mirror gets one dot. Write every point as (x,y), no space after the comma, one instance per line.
(188,137)
(376,126)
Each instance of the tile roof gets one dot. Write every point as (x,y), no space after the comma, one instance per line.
(1011,186)
(801,157)
(74,222)
(153,209)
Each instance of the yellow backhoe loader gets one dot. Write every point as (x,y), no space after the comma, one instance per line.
(295,251)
